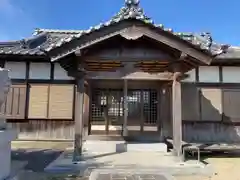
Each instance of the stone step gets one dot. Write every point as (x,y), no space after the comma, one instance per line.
(122,146)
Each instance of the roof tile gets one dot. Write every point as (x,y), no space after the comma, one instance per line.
(44,40)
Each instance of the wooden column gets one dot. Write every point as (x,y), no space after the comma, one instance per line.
(162,115)
(79,118)
(125,106)
(177,114)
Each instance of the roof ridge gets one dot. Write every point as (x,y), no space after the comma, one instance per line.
(131,11)
(62,31)
(235,47)
(10,43)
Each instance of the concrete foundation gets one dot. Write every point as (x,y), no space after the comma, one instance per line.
(122,146)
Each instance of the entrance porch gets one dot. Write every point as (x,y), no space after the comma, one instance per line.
(130,70)
(125,115)
(129,89)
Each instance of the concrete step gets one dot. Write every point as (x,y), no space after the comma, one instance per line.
(123,146)
(143,147)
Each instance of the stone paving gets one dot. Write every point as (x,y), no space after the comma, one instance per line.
(110,176)
(130,177)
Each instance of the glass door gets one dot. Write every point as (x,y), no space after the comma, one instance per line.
(107,112)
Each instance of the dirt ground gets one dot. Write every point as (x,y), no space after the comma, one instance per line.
(41,145)
(225,167)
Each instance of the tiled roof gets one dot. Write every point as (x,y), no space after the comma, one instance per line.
(45,40)
(232,53)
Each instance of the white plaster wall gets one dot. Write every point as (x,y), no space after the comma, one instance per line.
(191,76)
(60,73)
(231,74)
(209,74)
(39,70)
(17,69)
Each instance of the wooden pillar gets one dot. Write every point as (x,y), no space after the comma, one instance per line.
(162,115)
(177,114)
(79,118)
(125,106)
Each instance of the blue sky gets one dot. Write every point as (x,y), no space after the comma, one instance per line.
(18,18)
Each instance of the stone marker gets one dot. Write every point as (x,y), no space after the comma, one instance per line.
(6,135)
(5,83)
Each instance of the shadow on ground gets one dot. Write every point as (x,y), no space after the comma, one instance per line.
(36,160)
(82,168)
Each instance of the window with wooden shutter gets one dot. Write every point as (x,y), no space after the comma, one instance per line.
(231,105)
(38,101)
(61,101)
(14,107)
(211,104)
(190,102)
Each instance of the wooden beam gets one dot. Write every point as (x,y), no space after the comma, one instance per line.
(176,44)
(134,75)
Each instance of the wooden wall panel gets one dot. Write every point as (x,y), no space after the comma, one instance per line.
(38,101)
(190,102)
(231,105)
(14,107)
(44,130)
(211,104)
(61,101)
(216,132)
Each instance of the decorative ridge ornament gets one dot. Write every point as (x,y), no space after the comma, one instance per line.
(205,42)
(132,3)
(131,10)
